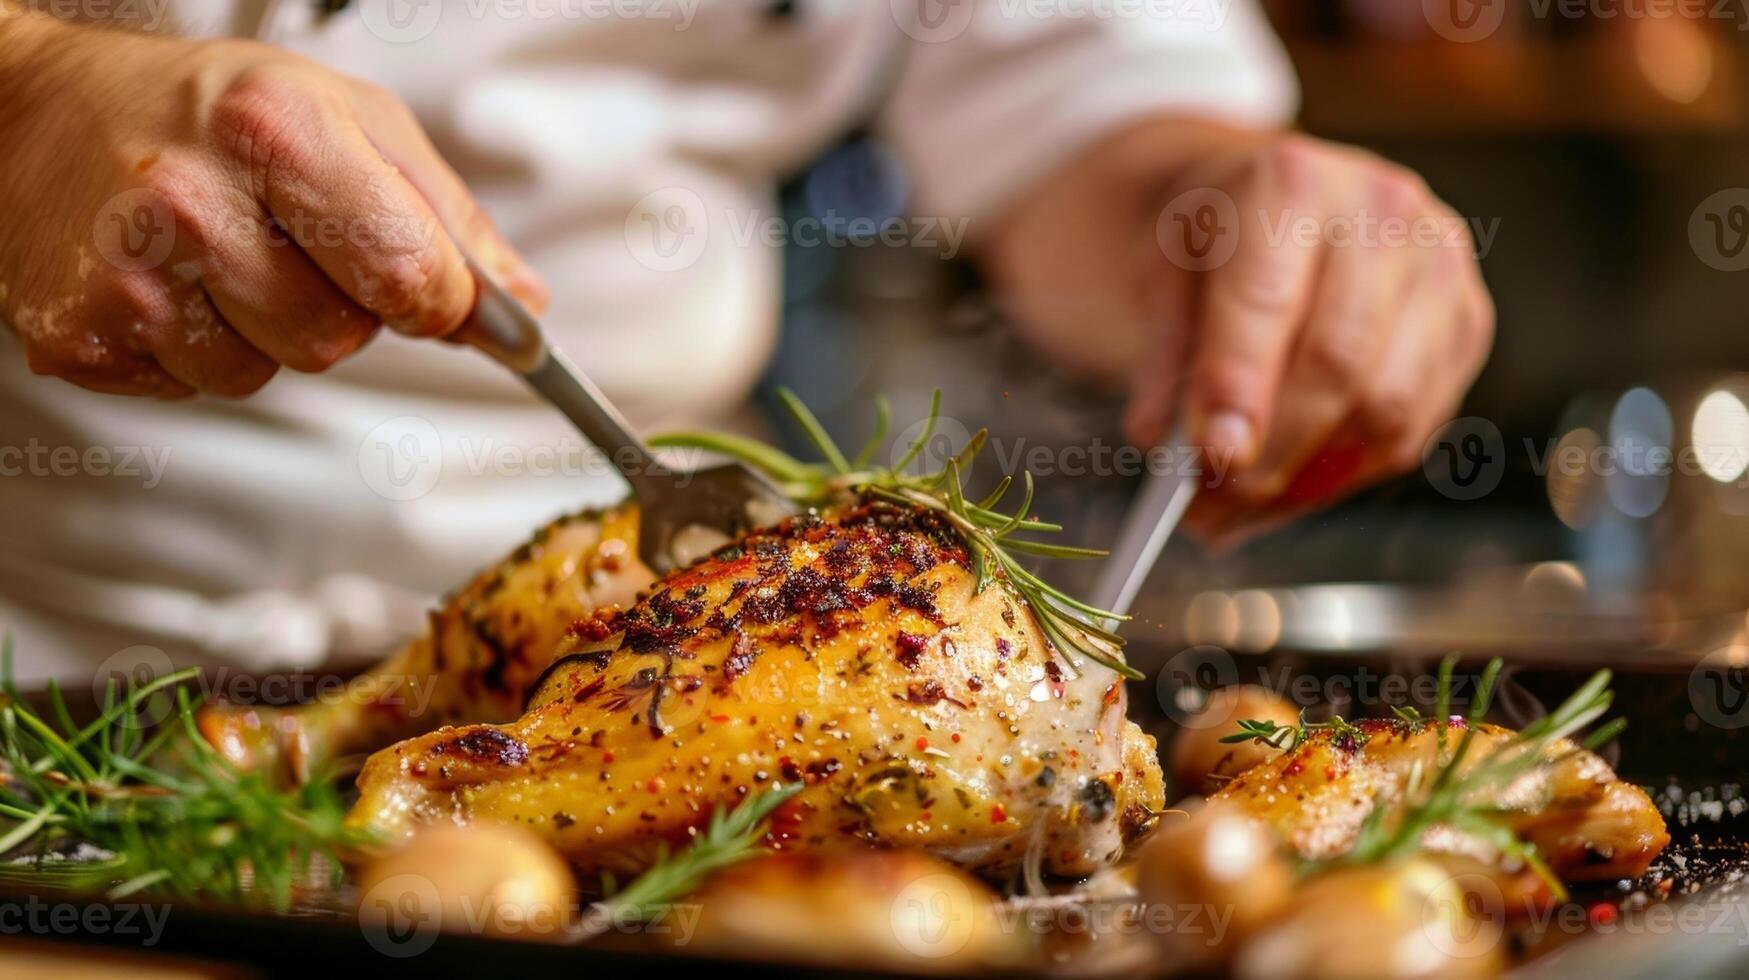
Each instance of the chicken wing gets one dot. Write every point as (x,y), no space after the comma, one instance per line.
(851,653)
(1585,822)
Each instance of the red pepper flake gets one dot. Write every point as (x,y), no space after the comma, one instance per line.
(1603,913)
(956,738)
(998,814)
(607,756)
(654,785)
(922,743)
(720,719)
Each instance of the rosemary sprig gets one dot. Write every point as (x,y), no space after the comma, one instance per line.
(1462,797)
(173,816)
(991,536)
(730,838)
(1288,737)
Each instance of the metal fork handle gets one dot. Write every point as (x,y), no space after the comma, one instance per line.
(506,331)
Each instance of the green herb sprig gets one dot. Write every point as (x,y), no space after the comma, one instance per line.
(174,817)
(730,838)
(1288,737)
(992,537)
(1465,798)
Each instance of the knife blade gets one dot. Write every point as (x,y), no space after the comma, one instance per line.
(1152,516)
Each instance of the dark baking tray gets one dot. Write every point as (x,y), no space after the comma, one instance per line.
(1683,763)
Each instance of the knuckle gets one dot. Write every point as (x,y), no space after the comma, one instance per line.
(144,302)
(1454,257)
(382,99)
(404,284)
(1401,192)
(1295,161)
(374,92)
(172,183)
(1337,357)
(260,117)
(411,293)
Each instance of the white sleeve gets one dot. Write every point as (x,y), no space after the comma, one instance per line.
(997,93)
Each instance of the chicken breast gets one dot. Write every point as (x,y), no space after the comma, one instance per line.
(1585,823)
(851,653)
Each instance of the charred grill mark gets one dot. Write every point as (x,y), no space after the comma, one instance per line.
(487,746)
(662,621)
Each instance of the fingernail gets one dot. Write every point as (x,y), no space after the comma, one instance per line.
(1230,433)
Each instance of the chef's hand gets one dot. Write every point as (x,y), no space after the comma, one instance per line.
(187,216)
(1308,311)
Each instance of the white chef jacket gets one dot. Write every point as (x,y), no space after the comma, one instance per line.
(624,146)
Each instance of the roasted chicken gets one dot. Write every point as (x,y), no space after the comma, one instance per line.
(852,653)
(1585,823)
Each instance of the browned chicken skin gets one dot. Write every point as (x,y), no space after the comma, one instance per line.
(477,662)
(852,654)
(1585,822)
